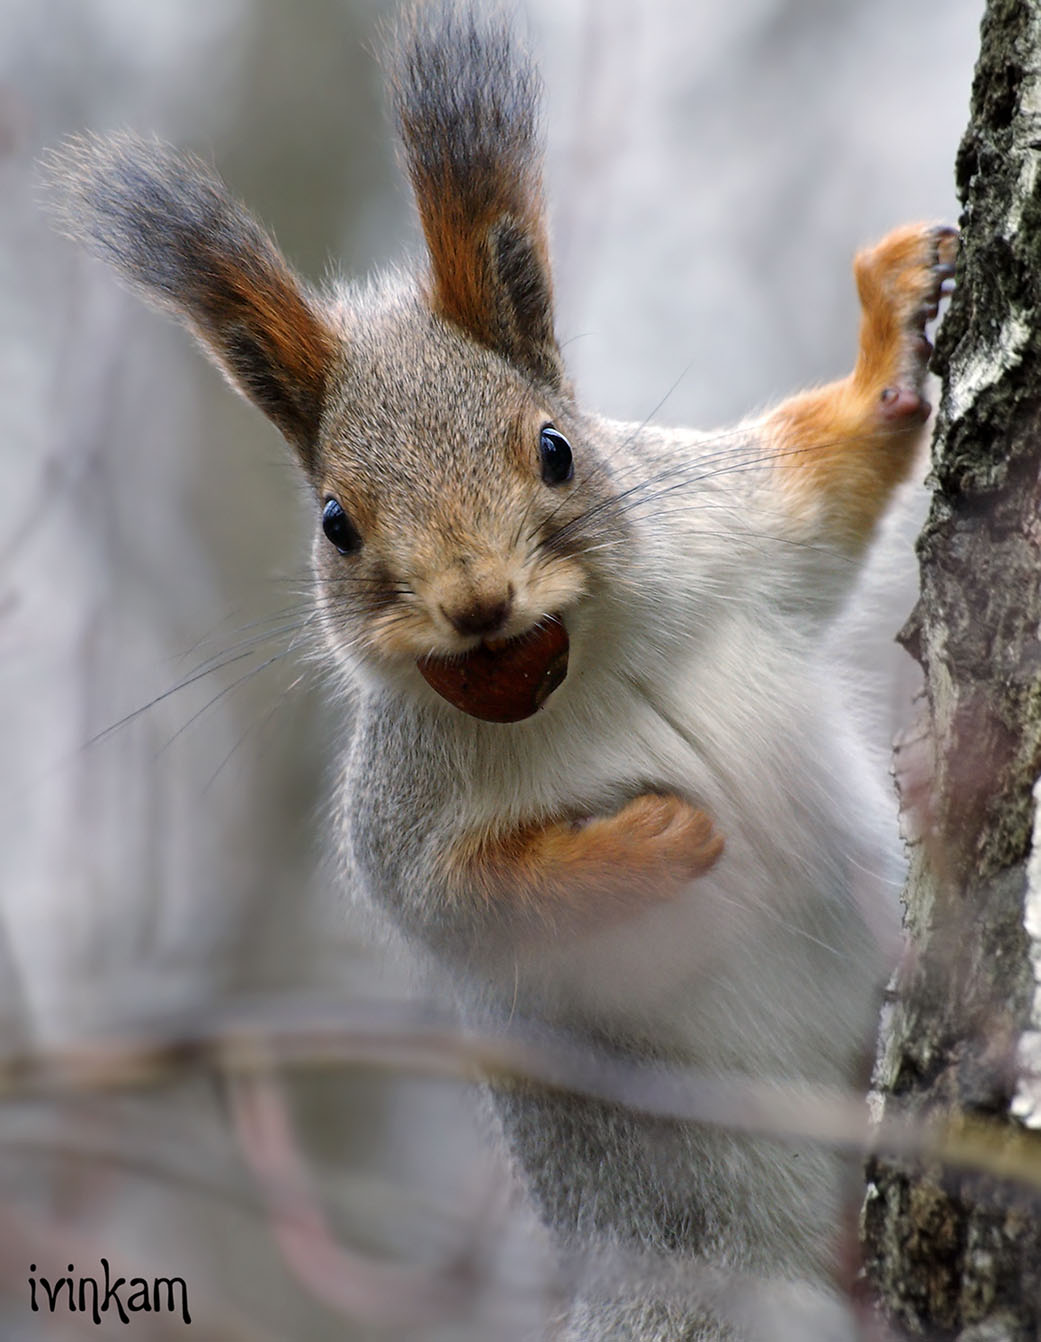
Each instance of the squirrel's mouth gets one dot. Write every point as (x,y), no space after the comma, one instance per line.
(503,680)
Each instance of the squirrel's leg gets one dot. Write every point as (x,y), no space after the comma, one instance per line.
(583,875)
(843,448)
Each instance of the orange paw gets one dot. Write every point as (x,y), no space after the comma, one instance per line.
(842,449)
(901,281)
(658,834)
(586,875)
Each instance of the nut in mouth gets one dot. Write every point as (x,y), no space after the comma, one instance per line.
(503,679)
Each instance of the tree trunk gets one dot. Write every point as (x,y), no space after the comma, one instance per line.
(959,1255)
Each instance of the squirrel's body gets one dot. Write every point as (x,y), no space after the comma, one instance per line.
(767,966)
(601,761)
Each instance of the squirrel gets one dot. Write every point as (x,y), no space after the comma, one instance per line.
(599,760)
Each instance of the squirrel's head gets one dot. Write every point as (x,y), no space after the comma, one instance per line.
(459,499)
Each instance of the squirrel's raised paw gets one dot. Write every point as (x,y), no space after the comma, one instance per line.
(901,281)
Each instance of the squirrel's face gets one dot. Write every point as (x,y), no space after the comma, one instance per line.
(457,502)
(460,500)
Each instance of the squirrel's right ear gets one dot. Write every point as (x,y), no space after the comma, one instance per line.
(467,103)
(168,225)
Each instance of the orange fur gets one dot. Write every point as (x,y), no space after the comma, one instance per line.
(465,288)
(572,877)
(844,448)
(264,302)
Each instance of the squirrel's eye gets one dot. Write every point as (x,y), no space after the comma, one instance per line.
(555,454)
(339,529)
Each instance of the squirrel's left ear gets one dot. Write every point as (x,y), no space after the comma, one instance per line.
(170,227)
(467,103)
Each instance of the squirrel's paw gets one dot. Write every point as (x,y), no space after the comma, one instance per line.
(661,834)
(901,281)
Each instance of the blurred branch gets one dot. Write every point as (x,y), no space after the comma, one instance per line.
(353,1285)
(245,1045)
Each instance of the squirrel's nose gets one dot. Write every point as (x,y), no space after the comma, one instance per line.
(480,615)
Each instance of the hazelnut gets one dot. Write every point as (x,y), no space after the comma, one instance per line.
(504,682)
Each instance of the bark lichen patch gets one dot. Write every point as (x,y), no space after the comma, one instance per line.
(976,367)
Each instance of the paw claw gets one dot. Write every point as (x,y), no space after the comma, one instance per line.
(946,246)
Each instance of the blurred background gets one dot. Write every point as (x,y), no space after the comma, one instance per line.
(165,743)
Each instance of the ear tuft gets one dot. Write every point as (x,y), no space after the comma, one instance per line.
(467,103)
(167,223)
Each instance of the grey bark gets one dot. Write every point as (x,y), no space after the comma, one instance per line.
(959,1255)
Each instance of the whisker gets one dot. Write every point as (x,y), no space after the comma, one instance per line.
(255,641)
(226,689)
(728,460)
(159,698)
(258,722)
(284,613)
